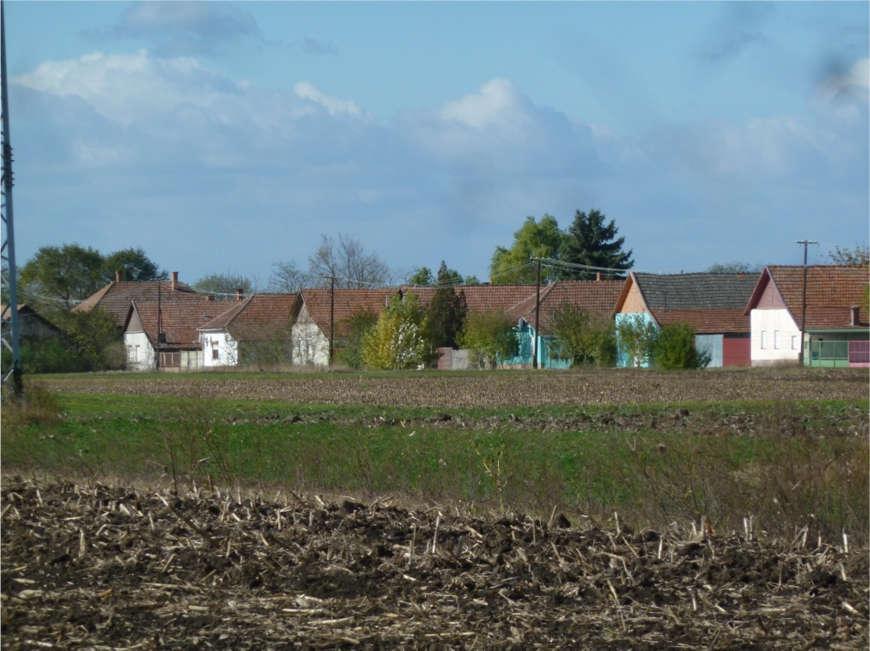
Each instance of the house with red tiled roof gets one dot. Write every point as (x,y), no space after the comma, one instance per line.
(323,316)
(713,304)
(835,332)
(164,334)
(115,297)
(254,330)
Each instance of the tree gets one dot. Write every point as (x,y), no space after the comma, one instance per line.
(422,277)
(93,336)
(636,338)
(534,239)
(674,348)
(446,312)
(396,341)
(62,276)
(858,255)
(348,262)
(133,265)
(227,283)
(287,278)
(358,326)
(489,336)
(582,337)
(591,241)
(733,268)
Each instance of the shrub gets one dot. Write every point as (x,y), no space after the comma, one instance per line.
(583,338)
(675,348)
(636,338)
(396,340)
(488,336)
(358,326)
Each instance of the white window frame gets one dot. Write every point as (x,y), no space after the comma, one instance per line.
(763,343)
(777,339)
(795,342)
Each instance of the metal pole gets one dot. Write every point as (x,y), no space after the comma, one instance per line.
(157,343)
(8,221)
(535,363)
(331,318)
(805,243)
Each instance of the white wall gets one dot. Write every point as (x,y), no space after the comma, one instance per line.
(140,353)
(226,346)
(775,337)
(310,345)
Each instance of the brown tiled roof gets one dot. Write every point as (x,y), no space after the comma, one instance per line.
(347,303)
(257,318)
(115,297)
(832,290)
(181,315)
(706,321)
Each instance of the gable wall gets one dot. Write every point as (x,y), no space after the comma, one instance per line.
(634,301)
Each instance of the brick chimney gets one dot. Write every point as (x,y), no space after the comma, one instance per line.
(239,296)
(174,285)
(854,313)
(117,275)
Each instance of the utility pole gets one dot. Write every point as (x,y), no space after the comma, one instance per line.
(331,318)
(535,363)
(805,244)
(7,251)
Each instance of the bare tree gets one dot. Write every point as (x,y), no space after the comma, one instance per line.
(288,278)
(350,264)
(858,255)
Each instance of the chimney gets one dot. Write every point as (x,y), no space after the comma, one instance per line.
(174,284)
(117,275)
(597,276)
(239,296)
(854,313)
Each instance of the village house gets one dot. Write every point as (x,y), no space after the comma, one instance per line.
(32,325)
(114,298)
(713,304)
(317,311)
(253,330)
(836,330)
(164,334)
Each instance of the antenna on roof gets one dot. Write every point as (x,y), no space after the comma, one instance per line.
(7,251)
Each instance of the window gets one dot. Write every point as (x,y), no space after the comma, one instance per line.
(794,342)
(763,340)
(777,339)
(130,354)
(215,353)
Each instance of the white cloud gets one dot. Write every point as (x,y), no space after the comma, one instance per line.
(496,104)
(334,106)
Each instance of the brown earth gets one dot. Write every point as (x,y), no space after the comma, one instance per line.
(99,566)
(493,389)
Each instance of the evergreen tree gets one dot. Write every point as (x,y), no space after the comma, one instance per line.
(447,310)
(591,241)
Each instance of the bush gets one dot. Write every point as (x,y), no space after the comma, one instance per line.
(358,326)
(637,338)
(396,340)
(583,338)
(675,348)
(488,336)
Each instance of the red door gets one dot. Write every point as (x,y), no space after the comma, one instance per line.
(736,350)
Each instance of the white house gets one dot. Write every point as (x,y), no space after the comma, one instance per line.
(255,330)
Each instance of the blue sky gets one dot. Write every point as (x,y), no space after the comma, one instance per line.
(226,137)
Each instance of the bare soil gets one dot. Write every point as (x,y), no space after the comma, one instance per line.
(112,566)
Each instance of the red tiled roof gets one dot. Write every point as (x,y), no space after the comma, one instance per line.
(181,314)
(832,290)
(259,317)
(115,297)
(347,303)
(706,321)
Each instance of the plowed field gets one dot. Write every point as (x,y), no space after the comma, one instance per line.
(99,567)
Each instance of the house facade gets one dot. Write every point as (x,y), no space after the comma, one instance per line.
(713,304)
(255,330)
(836,329)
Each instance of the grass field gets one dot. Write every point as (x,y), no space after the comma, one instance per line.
(787,447)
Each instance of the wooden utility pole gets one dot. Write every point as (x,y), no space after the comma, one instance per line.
(805,244)
(535,363)
(331,319)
